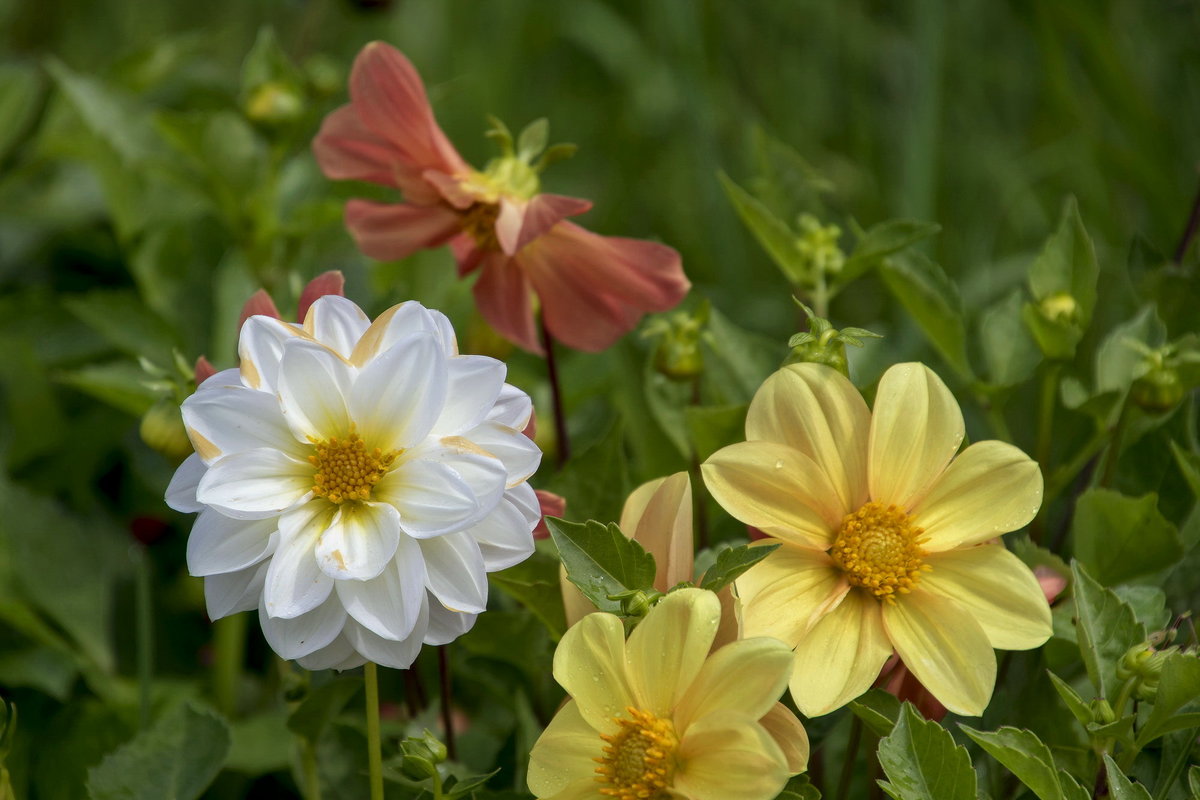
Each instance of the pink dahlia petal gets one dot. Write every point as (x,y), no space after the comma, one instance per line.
(508,224)
(503,297)
(203,370)
(388,95)
(551,505)
(260,303)
(451,190)
(468,255)
(517,226)
(389,231)
(347,151)
(594,288)
(331,282)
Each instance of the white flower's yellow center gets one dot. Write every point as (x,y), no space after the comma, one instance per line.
(479,222)
(346,470)
(879,549)
(639,759)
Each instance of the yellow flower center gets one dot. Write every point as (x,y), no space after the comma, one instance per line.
(479,222)
(639,759)
(879,549)
(346,470)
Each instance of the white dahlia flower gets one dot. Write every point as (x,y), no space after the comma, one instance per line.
(355,481)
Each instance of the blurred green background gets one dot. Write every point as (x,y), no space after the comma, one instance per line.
(148,186)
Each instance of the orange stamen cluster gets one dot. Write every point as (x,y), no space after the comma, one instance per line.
(479,222)
(346,470)
(879,549)
(639,759)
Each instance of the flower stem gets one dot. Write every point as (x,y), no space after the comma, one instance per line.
(1189,232)
(1114,449)
(308,761)
(447,718)
(229,650)
(374,748)
(144,601)
(560,421)
(1045,429)
(849,758)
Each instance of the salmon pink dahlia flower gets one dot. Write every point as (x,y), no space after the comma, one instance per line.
(355,481)
(889,536)
(591,288)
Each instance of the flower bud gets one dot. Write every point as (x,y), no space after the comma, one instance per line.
(162,429)
(678,354)
(822,350)
(274,103)
(818,245)
(1102,712)
(1059,307)
(1158,391)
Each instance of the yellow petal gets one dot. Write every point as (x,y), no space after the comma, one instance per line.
(667,649)
(945,648)
(916,429)
(816,410)
(564,752)
(789,734)
(997,589)
(590,664)
(747,676)
(730,627)
(782,594)
(575,604)
(990,489)
(726,755)
(840,657)
(775,488)
(659,516)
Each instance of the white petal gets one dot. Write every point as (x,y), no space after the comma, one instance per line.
(255,483)
(473,385)
(338,654)
(482,472)
(432,498)
(305,634)
(389,604)
(220,544)
(513,408)
(336,323)
(236,419)
(520,455)
(455,572)
(225,379)
(181,492)
(399,394)
(232,592)
(505,536)
(445,332)
(295,583)
(360,541)
(445,625)
(399,322)
(313,384)
(385,652)
(260,347)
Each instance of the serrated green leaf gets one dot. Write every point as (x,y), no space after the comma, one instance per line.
(535,584)
(883,240)
(733,562)
(922,762)
(771,232)
(321,706)
(175,759)
(1024,755)
(1106,628)
(1149,604)
(1118,538)
(601,560)
(928,294)
(878,710)
(1078,707)
(1178,685)
(1120,787)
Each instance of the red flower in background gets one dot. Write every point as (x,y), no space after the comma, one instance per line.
(591,288)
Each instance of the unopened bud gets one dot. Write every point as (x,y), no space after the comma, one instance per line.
(1158,391)
(1102,712)
(1059,307)
(825,349)
(818,245)
(274,103)
(162,429)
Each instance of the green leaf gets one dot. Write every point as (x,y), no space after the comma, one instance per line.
(799,787)
(1106,628)
(123,319)
(1120,787)
(120,384)
(928,294)
(113,116)
(20,96)
(878,709)
(256,744)
(321,706)
(267,62)
(1189,466)
(1118,361)
(922,762)
(1025,755)
(1078,706)
(1010,353)
(601,560)
(535,584)
(1149,604)
(736,360)
(714,427)
(1194,780)
(1178,685)
(532,140)
(1118,538)
(1067,264)
(175,759)
(597,479)
(732,562)
(770,231)
(883,240)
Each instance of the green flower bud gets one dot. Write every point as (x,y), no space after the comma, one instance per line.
(1059,307)
(162,429)
(418,768)
(1159,390)
(1102,712)
(274,103)
(818,245)
(678,354)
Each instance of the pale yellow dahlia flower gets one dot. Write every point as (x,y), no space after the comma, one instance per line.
(886,534)
(659,717)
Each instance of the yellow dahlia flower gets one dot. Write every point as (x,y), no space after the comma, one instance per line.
(659,717)
(886,536)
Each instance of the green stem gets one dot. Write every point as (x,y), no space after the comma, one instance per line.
(849,759)
(1114,449)
(144,601)
(560,419)
(374,748)
(995,415)
(1062,477)
(308,761)
(447,715)
(229,650)
(1045,429)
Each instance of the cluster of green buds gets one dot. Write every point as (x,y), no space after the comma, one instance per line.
(636,604)
(522,159)
(678,354)
(162,425)
(824,344)
(1144,663)
(818,246)
(276,92)
(1166,373)
(420,756)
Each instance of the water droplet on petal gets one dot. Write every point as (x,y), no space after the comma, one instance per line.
(779,464)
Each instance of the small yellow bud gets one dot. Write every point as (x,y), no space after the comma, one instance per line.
(1059,307)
